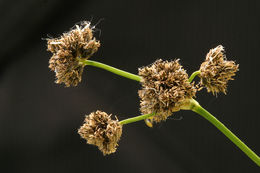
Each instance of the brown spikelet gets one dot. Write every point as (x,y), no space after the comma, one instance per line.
(68,49)
(100,130)
(216,71)
(165,87)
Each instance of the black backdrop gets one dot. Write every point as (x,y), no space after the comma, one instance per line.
(39,119)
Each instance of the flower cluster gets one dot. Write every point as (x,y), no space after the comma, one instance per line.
(165,88)
(216,71)
(100,130)
(67,50)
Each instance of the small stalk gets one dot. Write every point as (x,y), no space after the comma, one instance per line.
(137,118)
(193,75)
(111,69)
(204,113)
(122,72)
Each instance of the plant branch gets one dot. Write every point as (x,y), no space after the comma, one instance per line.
(204,113)
(111,69)
(193,75)
(137,118)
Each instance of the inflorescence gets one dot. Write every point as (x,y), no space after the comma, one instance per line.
(100,130)
(165,84)
(216,71)
(68,50)
(166,87)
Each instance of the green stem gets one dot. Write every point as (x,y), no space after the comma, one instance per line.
(193,75)
(204,113)
(137,118)
(111,69)
(121,72)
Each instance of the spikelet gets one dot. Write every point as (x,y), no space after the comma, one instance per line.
(100,130)
(216,71)
(68,49)
(165,88)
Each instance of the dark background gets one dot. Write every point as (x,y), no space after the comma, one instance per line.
(39,119)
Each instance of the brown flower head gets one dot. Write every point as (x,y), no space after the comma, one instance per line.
(165,88)
(68,49)
(216,71)
(100,130)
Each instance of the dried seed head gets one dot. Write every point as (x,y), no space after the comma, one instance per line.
(165,88)
(100,130)
(68,49)
(216,71)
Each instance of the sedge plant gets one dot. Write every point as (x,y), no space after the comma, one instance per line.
(166,87)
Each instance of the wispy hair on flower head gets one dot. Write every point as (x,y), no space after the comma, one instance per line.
(68,50)
(165,88)
(100,130)
(216,71)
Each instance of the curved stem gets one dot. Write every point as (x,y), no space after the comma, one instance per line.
(204,113)
(122,72)
(137,118)
(111,69)
(193,75)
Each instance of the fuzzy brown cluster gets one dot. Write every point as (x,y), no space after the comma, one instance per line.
(216,71)
(165,88)
(100,130)
(67,50)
